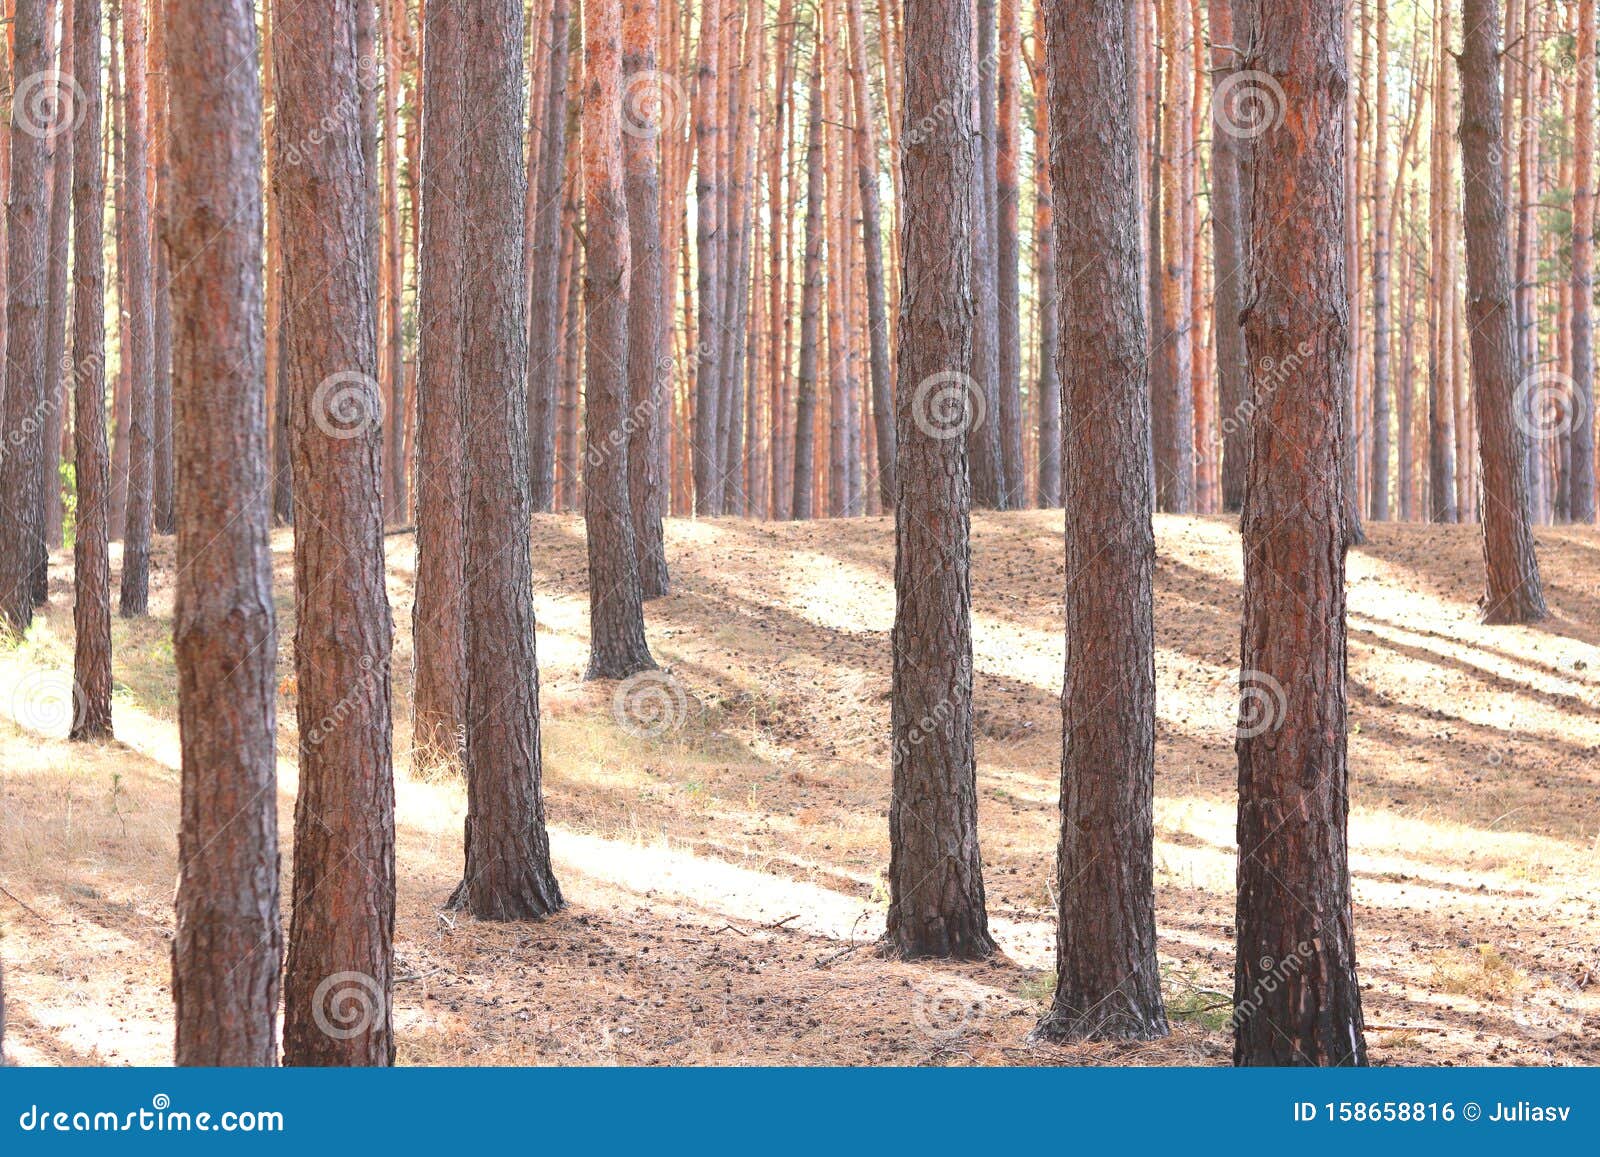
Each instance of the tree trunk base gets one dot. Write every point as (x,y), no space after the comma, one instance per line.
(534,898)
(966,939)
(1101,1023)
(1515,608)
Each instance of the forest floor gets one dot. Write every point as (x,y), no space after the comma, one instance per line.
(725,878)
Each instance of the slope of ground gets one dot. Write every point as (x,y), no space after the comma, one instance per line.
(720,833)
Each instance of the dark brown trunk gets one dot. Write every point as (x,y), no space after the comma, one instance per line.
(508,874)
(936,898)
(1108,979)
(339,976)
(1513,593)
(1296,998)
(649,366)
(544,329)
(91,565)
(617,645)
(438,620)
(227,949)
(27,235)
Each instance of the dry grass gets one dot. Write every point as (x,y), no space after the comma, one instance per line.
(725,877)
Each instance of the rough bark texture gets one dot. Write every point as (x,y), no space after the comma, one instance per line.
(22,418)
(91,564)
(544,325)
(1582,403)
(1227,225)
(936,899)
(617,646)
(51,510)
(1172,389)
(805,393)
(227,949)
(439,614)
(163,513)
(649,369)
(1108,979)
(1296,999)
(1514,593)
(134,597)
(508,874)
(338,982)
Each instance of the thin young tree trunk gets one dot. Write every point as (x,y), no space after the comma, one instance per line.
(27,235)
(708,268)
(936,897)
(1296,997)
(1406,405)
(135,593)
(544,329)
(651,106)
(872,242)
(227,949)
(163,512)
(394,251)
(984,441)
(438,620)
(341,936)
(617,645)
(1227,239)
(1441,250)
(1581,405)
(1378,491)
(56,376)
(1048,493)
(1513,593)
(1172,411)
(1108,978)
(91,561)
(801,506)
(1008,292)
(508,875)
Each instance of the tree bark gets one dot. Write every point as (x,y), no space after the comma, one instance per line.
(440,611)
(1581,404)
(1108,980)
(805,412)
(1048,487)
(91,562)
(708,264)
(544,330)
(50,497)
(1227,240)
(338,980)
(649,366)
(228,946)
(27,234)
(1513,593)
(508,874)
(135,593)
(1296,998)
(1008,292)
(163,512)
(1378,482)
(1442,290)
(986,461)
(936,904)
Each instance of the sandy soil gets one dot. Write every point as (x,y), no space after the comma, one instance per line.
(725,872)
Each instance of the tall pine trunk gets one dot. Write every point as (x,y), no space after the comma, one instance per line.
(1513,593)
(546,299)
(1048,382)
(936,896)
(338,980)
(1581,404)
(508,874)
(1108,979)
(1296,998)
(227,948)
(1227,240)
(805,411)
(91,562)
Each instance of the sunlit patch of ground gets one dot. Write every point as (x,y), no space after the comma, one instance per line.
(725,876)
